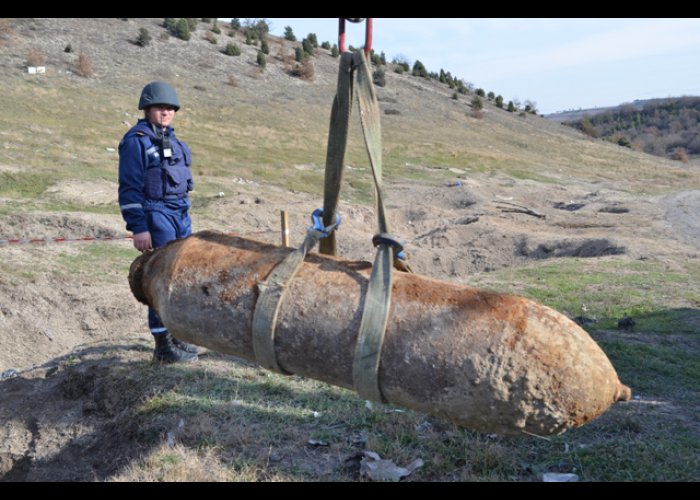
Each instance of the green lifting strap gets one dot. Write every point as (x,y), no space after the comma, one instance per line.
(378,296)
(368,350)
(335,152)
(272,292)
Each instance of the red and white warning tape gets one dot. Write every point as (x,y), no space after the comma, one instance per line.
(38,241)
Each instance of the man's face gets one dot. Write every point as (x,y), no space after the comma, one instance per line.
(160,114)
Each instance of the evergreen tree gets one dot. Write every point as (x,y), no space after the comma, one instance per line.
(289,34)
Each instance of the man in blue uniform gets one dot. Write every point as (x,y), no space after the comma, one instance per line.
(154,181)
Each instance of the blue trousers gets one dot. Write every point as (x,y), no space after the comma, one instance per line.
(167,220)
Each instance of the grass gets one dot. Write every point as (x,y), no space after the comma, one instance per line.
(250,424)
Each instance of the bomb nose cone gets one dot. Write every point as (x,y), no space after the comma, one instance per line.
(624,393)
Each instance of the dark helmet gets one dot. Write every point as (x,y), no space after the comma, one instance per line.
(158,93)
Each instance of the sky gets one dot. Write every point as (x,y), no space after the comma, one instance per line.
(559,64)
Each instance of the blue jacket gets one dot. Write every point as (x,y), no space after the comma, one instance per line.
(145,176)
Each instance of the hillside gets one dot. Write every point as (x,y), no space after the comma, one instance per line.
(663,127)
(81,400)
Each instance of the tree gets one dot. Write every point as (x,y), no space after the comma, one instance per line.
(511,107)
(419,69)
(311,37)
(480,92)
(499,101)
(261,59)
(144,38)
(262,28)
(289,34)
(334,51)
(531,107)
(477,103)
(235,24)
(299,54)
(308,46)
(382,58)
(491,96)
(182,29)
(169,24)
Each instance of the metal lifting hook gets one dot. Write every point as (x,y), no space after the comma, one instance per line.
(368,33)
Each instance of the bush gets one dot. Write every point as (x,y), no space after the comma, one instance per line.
(680,154)
(235,24)
(35,57)
(216,29)
(144,38)
(334,51)
(382,58)
(511,107)
(191,23)
(261,59)
(303,70)
(68,48)
(264,47)
(379,77)
(326,45)
(307,70)
(499,101)
(491,96)
(209,37)
(84,66)
(399,69)
(455,96)
(232,81)
(169,24)
(477,103)
(375,59)
(480,92)
(299,54)
(249,37)
(232,49)
(289,34)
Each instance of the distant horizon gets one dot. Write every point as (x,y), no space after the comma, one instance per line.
(559,64)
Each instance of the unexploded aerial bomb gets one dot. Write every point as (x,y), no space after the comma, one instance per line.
(483,360)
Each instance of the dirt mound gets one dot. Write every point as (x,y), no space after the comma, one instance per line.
(80,415)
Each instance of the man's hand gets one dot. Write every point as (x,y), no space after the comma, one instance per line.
(142,241)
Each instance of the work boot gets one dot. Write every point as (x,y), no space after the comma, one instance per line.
(167,352)
(184,346)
